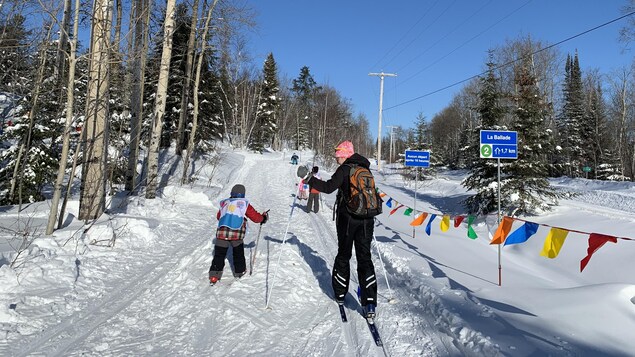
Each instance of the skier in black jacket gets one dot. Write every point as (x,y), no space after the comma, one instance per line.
(350,230)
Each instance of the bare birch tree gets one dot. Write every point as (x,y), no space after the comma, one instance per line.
(141,24)
(92,201)
(57,192)
(159,103)
(185,94)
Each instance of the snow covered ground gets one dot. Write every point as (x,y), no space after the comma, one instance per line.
(147,293)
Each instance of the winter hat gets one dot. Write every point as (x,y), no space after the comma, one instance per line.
(344,149)
(315,169)
(238,191)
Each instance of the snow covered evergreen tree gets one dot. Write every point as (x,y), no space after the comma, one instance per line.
(268,107)
(15,59)
(30,161)
(483,177)
(571,120)
(303,88)
(525,188)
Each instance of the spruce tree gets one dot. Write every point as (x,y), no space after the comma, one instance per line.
(525,188)
(483,177)
(210,122)
(268,107)
(303,88)
(570,121)
(33,147)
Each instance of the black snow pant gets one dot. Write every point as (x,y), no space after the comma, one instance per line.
(314,200)
(360,233)
(220,252)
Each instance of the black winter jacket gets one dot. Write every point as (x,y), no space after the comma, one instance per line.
(340,180)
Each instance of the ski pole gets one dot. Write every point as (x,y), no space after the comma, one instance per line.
(275,273)
(391,299)
(253,252)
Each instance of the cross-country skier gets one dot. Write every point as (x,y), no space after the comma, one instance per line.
(232,225)
(314,195)
(350,230)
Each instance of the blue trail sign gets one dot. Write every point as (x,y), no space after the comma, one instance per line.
(499,144)
(417,158)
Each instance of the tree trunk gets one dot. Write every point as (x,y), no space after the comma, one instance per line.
(185,94)
(57,192)
(197,80)
(142,19)
(92,201)
(159,104)
(61,45)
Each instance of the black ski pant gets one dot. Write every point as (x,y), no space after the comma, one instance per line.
(220,252)
(314,200)
(358,232)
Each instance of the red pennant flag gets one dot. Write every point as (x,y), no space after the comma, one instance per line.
(458,220)
(596,241)
(395,210)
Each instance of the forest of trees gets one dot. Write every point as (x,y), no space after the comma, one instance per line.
(154,76)
(177,75)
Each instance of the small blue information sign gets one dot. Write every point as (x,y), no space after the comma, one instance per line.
(499,144)
(417,158)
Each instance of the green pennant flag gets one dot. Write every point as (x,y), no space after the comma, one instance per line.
(470,231)
(408,211)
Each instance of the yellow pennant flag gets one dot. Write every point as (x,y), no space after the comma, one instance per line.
(445,223)
(419,220)
(502,231)
(553,243)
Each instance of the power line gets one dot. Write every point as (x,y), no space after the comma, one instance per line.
(466,42)
(421,33)
(404,35)
(444,37)
(513,61)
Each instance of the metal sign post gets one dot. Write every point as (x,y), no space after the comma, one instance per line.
(416,159)
(499,145)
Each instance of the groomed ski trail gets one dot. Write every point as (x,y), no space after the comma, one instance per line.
(166,306)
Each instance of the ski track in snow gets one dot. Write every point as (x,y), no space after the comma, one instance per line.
(166,306)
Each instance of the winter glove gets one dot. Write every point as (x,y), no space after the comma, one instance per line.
(265,217)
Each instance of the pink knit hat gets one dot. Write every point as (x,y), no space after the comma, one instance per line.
(344,149)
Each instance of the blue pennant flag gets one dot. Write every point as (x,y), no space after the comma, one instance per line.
(432,217)
(522,234)
(389,203)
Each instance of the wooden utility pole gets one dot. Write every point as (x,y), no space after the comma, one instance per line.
(381,100)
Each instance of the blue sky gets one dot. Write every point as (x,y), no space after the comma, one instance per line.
(429,44)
